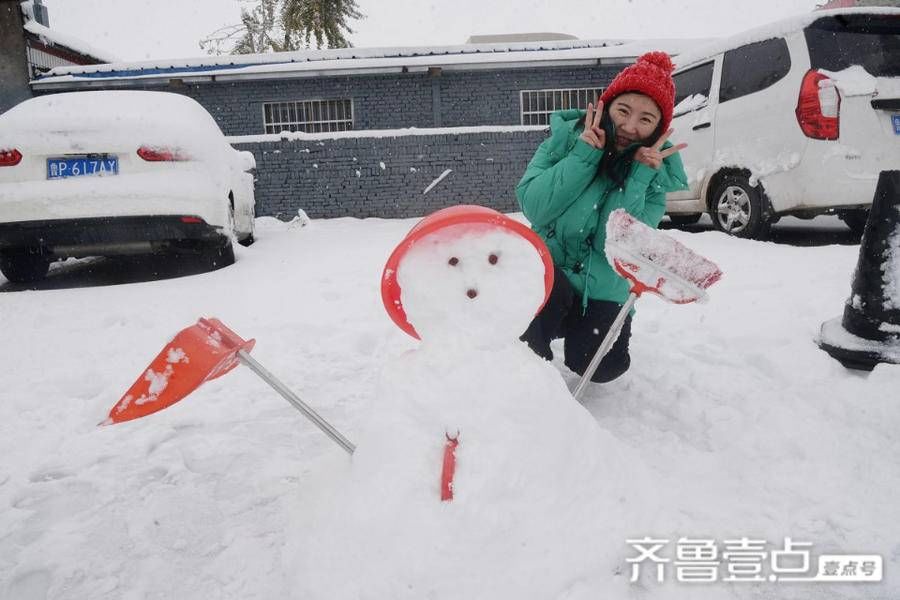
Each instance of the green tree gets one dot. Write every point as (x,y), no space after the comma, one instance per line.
(283,25)
(325,21)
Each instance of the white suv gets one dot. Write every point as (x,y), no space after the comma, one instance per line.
(796,118)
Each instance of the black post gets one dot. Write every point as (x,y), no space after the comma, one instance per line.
(869,332)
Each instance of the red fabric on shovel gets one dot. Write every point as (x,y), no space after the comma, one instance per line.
(202,352)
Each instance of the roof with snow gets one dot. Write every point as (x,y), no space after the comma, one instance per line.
(350,61)
(52,37)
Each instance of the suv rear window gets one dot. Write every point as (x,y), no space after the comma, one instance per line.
(872,41)
(753,67)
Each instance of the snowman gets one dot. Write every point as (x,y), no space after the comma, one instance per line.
(477,475)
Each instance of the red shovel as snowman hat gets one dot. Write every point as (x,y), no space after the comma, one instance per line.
(463,214)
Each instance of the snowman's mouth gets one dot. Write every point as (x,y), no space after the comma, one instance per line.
(472,293)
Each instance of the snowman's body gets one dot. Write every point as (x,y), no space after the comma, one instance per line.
(536,478)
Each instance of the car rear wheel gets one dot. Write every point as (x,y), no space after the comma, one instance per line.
(740,209)
(217,254)
(23,266)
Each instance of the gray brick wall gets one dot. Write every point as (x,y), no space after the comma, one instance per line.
(344,176)
(452,99)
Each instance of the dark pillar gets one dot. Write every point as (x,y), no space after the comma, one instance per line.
(13,60)
(869,331)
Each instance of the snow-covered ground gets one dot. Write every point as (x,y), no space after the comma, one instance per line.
(746,427)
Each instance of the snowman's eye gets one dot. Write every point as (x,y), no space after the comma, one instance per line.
(493,258)
(453,261)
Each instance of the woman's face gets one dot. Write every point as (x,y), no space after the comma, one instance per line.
(635,116)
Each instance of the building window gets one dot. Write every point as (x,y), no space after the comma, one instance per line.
(536,105)
(308,116)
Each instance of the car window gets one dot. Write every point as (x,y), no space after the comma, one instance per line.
(872,41)
(692,88)
(753,67)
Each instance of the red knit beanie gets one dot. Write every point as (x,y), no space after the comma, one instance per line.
(651,75)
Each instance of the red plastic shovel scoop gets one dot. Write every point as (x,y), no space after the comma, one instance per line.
(652,262)
(200,353)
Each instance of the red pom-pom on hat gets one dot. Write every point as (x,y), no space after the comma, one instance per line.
(651,75)
(660,59)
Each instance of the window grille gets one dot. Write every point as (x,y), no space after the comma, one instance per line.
(308,116)
(536,105)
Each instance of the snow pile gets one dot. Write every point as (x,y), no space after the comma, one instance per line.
(537,479)
(730,423)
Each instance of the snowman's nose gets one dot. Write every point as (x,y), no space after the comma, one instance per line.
(472,293)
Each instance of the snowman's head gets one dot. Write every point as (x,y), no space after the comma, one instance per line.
(480,280)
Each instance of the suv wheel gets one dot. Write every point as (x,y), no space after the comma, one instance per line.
(23,266)
(740,209)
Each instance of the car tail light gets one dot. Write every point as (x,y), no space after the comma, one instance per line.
(819,107)
(160,154)
(191,220)
(10,157)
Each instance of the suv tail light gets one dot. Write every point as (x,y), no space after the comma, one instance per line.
(159,154)
(10,157)
(819,107)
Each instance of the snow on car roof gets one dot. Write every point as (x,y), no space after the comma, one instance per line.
(106,118)
(769,31)
(371,58)
(109,105)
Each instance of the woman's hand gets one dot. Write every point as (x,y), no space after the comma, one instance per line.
(593,134)
(652,156)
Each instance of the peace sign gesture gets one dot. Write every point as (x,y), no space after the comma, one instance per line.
(652,156)
(593,134)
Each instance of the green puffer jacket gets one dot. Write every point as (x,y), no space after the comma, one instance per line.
(568,203)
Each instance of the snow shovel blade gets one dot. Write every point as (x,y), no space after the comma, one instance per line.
(654,262)
(202,352)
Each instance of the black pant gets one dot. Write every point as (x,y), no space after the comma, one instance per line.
(562,317)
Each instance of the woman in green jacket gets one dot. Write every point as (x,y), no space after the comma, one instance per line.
(615,155)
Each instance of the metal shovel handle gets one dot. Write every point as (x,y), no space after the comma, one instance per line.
(607,343)
(291,397)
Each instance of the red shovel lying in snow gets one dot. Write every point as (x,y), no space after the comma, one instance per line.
(652,262)
(200,353)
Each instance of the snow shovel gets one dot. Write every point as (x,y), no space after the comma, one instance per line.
(652,262)
(202,352)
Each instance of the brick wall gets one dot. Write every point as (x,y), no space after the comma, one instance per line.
(386,176)
(452,99)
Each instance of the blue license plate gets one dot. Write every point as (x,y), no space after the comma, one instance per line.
(895,119)
(58,168)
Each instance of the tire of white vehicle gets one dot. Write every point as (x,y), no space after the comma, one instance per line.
(685,219)
(22,266)
(249,238)
(217,254)
(740,209)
